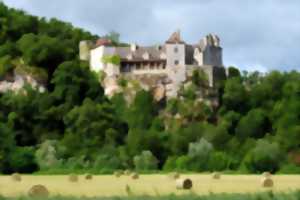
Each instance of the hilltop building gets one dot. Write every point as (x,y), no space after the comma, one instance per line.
(166,66)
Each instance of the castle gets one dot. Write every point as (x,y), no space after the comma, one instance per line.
(166,67)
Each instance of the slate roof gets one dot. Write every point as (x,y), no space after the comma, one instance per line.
(154,52)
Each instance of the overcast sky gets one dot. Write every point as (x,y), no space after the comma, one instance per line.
(255,34)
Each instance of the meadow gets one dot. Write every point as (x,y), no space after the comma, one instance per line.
(147,185)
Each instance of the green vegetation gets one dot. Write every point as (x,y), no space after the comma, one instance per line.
(74,127)
(261,196)
(114,59)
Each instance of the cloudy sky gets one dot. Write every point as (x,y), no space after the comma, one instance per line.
(255,34)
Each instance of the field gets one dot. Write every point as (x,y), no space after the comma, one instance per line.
(156,185)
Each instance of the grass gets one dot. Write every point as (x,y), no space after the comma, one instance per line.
(258,196)
(146,185)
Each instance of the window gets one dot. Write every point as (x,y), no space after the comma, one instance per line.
(176,62)
(176,50)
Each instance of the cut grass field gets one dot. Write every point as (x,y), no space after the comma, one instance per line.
(153,185)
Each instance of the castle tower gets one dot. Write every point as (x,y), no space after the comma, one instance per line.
(175,50)
(211,51)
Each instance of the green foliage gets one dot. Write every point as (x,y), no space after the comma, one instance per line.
(7,146)
(145,161)
(254,124)
(113,59)
(265,156)
(36,73)
(199,78)
(23,160)
(73,126)
(5,65)
(233,72)
(88,127)
(46,155)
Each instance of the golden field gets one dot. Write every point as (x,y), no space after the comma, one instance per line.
(107,185)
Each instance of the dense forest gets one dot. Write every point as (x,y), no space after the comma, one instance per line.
(73,127)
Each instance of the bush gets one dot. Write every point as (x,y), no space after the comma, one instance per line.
(218,161)
(46,156)
(200,153)
(170,164)
(145,161)
(23,160)
(5,65)
(289,169)
(106,162)
(183,163)
(114,59)
(265,156)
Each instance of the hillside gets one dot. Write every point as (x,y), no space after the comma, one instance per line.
(72,126)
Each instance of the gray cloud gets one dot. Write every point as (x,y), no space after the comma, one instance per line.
(256,34)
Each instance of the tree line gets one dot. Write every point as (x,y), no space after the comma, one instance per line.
(74,127)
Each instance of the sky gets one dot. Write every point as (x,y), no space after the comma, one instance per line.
(259,35)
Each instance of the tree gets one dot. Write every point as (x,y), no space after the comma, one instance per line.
(5,65)
(199,154)
(7,146)
(265,156)
(145,161)
(88,127)
(255,124)
(235,95)
(23,160)
(142,111)
(73,82)
(233,72)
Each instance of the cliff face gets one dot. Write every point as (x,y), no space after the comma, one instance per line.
(15,82)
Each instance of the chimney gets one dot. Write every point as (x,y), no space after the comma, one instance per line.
(133,47)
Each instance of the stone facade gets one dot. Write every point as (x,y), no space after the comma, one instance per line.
(171,60)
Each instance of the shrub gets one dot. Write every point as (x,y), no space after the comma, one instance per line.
(200,153)
(145,161)
(183,163)
(23,160)
(289,169)
(113,59)
(5,65)
(170,164)
(218,161)
(46,155)
(265,156)
(106,162)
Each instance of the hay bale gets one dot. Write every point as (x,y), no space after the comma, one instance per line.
(216,175)
(73,178)
(38,191)
(16,177)
(184,184)
(134,176)
(267,182)
(118,174)
(127,172)
(88,177)
(267,174)
(174,175)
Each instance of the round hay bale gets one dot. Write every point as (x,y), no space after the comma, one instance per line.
(38,191)
(134,176)
(266,174)
(267,182)
(73,178)
(16,177)
(216,175)
(127,172)
(88,177)
(118,174)
(174,175)
(184,184)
